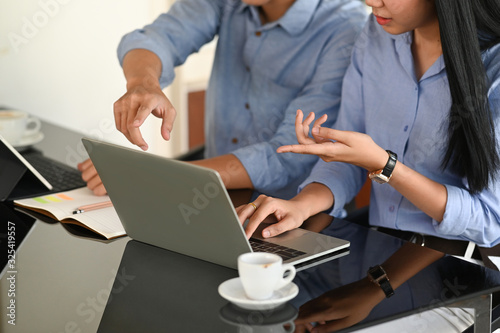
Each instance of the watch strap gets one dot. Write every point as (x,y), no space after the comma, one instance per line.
(391,163)
(378,276)
(386,287)
(384,175)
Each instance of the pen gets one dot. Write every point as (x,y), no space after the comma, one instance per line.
(95,206)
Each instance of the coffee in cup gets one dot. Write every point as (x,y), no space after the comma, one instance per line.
(262,273)
(16,124)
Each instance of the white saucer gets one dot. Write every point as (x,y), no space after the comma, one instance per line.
(28,140)
(232,290)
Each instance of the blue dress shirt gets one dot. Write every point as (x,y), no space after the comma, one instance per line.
(261,75)
(382,97)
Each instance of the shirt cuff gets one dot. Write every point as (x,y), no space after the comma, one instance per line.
(454,223)
(272,173)
(247,156)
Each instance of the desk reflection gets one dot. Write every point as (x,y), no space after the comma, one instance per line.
(156,290)
(160,291)
(163,291)
(278,320)
(443,283)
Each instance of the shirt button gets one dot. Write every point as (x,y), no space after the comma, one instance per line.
(258,33)
(391,208)
(234,140)
(406,128)
(247,106)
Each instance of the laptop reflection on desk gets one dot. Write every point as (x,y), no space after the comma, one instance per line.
(156,290)
(186,209)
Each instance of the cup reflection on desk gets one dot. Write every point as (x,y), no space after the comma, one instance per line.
(279,320)
(263,273)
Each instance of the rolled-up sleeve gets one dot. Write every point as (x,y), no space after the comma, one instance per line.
(472,217)
(173,36)
(477,217)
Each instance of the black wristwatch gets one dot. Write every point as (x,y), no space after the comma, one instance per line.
(383,176)
(378,276)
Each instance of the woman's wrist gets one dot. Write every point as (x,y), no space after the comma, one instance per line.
(372,291)
(313,199)
(379,161)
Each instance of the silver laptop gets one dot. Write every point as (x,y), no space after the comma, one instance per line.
(186,209)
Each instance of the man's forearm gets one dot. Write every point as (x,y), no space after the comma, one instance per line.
(231,170)
(141,67)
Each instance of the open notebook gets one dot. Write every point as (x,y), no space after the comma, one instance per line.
(62,206)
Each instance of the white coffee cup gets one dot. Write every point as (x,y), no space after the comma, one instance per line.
(262,273)
(16,124)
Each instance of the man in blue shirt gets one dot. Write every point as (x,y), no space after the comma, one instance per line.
(273,57)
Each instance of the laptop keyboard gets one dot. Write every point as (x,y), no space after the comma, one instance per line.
(284,252)
(59,175)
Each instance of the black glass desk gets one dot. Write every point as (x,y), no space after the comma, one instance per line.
(65,280)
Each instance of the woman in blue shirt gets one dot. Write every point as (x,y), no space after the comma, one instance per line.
(414,90)
(424,83)
(272,57)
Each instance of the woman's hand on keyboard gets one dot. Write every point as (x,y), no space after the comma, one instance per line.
(90,176)
(264,209)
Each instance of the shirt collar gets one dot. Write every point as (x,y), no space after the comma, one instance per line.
(405,40)
(295,19)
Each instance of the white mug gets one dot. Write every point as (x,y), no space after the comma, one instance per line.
(262,273)
(15,124)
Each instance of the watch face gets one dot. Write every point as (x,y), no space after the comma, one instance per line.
(379,276)
(377,273)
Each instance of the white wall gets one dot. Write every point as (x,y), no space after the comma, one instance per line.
(58,61)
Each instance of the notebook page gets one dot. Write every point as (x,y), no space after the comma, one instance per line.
(104,221)
(62,204)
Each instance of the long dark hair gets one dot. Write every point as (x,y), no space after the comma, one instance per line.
(468,27)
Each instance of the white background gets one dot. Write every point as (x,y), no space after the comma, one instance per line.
(58,62)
